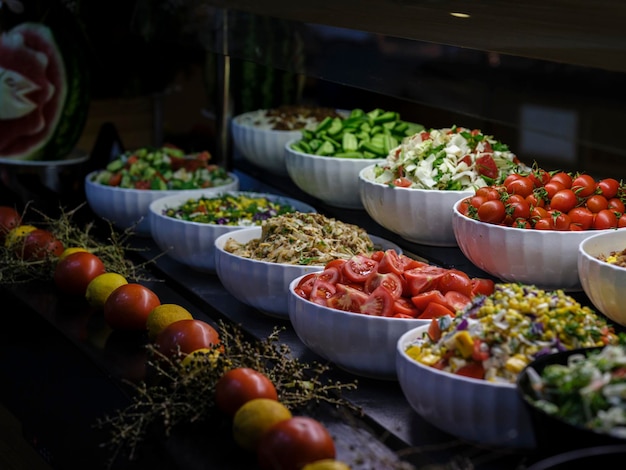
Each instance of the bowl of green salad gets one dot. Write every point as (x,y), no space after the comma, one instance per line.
(413,191)
(121,192)
(185,226)
(325,162)
(577,395)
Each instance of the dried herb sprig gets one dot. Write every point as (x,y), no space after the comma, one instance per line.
(179,392)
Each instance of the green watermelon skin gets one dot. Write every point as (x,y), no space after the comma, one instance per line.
(52,55)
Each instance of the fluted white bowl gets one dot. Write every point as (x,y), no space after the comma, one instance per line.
(335,181)
(479,411)
(363,345)
(604,283)
(266,283)
(419,215)
(192,243)
(264,148)
(129,208)
(546,258)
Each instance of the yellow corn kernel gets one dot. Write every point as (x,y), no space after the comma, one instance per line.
(428,359)
(413,351)
(464,343)
(516,363)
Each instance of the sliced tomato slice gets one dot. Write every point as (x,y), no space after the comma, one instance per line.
(336,263)
(347,298)
(457,300)
(359,267)
(405,307)
(379,303)
(423,299)
(304,287)
(410,263)
(377,255)
(391,263)
(455,280)
(390,281)
(330,274)
(423,278)
(435,310)
(322,290)
(486,166)
(482,286)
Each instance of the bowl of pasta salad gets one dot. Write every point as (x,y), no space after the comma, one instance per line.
(460,373)
(412,191)
(185,226)
(266,258)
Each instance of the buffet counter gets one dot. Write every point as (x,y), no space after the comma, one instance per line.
(62,369)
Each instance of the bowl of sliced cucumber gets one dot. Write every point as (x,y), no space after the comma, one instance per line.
(325,163)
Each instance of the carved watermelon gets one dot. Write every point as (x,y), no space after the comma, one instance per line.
(43,98)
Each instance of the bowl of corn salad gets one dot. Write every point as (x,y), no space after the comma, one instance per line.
(186,226)
(602,272)
(460,373)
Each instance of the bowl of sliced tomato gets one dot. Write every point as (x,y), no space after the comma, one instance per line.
(353,312)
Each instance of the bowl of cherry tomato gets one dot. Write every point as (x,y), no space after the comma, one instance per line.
(529,229)
(353,312)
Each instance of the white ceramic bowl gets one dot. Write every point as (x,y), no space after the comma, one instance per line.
(418,215)
(604,283)
(478,411)
(267,283)
(335,181)
(192,243)
(264,148)
(129,208)
(363,345)
(546,258)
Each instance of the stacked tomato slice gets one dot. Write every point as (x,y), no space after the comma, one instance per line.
(390,284)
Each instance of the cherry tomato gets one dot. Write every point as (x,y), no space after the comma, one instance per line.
(582,217)
(608,187)
(553,187)
(240,385)
(584,185)
(73,273)
(561,221)
(621,222)
(186,336)
(292,443)
(564,178)
(477,201)
(379,303)
(9,219)
(604,219)
(538,213)
(616,205)
(545,223)
(128,307)
(521,223)
(359,267)
(597,202)
(534,201)
(518,210)
(523,186)
(539,177)
(455,280)
(39,244)
(488,192)
(492,211)
(564,200)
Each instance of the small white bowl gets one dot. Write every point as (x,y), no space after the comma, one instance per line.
(418,215)
(267,283)
(264,148)
(547,259)
(129,208)
(192,243)
(478,411)
(604,283)
(363,345)
(335,181)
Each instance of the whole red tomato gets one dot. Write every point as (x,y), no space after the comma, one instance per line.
(73,273)
(9,219)
(186,335)
(128,307)
(293,443)
(39,244)
(240,385)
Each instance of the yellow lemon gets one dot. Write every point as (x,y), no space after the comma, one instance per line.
(163,315)
(17,233)
(68,251)
(101,286)
(254,418)
(327,464)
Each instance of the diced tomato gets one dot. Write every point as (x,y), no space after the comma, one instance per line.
(404,306)
(391,263)
(379,303)
(423,299)
(479,353)
(359,267)
(474,370)
(435,310)
(486,166)
(115,179)
(482,286)
(456,300)
(434,330)
(423,278)
(402,182)
(347,298)
(390,281)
